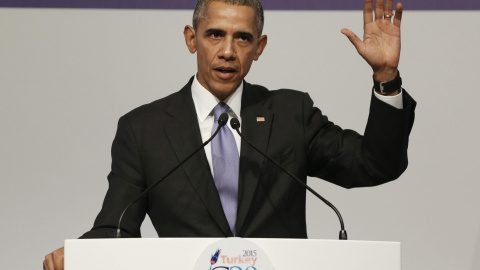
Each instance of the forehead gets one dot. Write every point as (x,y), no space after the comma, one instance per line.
(225,16)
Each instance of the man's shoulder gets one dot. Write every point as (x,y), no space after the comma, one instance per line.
(153,108)
(282,94)
(161,105)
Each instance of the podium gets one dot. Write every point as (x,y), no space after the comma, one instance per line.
(182,253)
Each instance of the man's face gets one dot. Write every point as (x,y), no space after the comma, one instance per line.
(226,42)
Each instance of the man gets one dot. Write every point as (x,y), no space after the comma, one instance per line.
(202,199)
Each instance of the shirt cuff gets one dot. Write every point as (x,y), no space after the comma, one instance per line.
(395,101)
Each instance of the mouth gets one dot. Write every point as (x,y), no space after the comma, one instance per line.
(225,72)
(225,69)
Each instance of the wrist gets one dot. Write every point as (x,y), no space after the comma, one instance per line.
(385,75)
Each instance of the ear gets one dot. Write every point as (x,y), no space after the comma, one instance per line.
(262,42)
(190,38)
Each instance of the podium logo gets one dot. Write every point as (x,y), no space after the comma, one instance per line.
(233,254)
(244,261)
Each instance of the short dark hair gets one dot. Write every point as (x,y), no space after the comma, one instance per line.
(255,4)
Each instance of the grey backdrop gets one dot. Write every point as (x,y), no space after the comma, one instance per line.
(66,76)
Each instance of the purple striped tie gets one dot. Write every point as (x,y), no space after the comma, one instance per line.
(225,162)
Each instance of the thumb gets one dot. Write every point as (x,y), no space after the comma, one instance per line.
(356,41)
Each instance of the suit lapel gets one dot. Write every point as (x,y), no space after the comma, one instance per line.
(181,126)
(257,132)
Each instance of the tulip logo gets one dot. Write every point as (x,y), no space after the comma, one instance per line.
(214,258)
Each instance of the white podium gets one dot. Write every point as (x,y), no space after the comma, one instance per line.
(182,253)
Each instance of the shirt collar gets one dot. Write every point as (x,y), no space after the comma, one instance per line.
(205,101)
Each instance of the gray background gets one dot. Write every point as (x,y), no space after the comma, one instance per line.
(66,76)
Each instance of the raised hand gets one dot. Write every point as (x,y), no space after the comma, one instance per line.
(381,39)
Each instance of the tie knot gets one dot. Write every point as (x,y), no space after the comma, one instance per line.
(219,109)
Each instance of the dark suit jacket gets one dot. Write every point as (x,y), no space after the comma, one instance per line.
(153,138)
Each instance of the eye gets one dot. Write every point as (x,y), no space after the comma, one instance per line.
(215,34)
(244,37)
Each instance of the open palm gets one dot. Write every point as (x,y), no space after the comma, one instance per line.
(381,40)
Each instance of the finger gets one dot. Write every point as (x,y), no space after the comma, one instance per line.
(367,11)
(45,265)
(49,262)
(398,15)
(378,9)
(388,9)
(58,259)
(356,41)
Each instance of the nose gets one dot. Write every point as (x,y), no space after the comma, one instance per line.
(228,51)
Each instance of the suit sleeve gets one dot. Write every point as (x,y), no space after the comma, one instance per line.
(348,159)
(126,182)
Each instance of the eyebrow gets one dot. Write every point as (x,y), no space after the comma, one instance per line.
(214,30)
(222,32)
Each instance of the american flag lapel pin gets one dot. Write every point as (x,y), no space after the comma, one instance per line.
(260,119)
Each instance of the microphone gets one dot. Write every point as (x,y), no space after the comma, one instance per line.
(235,124)
(222,121)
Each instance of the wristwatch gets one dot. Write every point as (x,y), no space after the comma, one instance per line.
(386,88)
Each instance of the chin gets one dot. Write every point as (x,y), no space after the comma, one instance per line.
(226,88)
(223,92)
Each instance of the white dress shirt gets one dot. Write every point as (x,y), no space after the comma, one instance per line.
(205,101)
